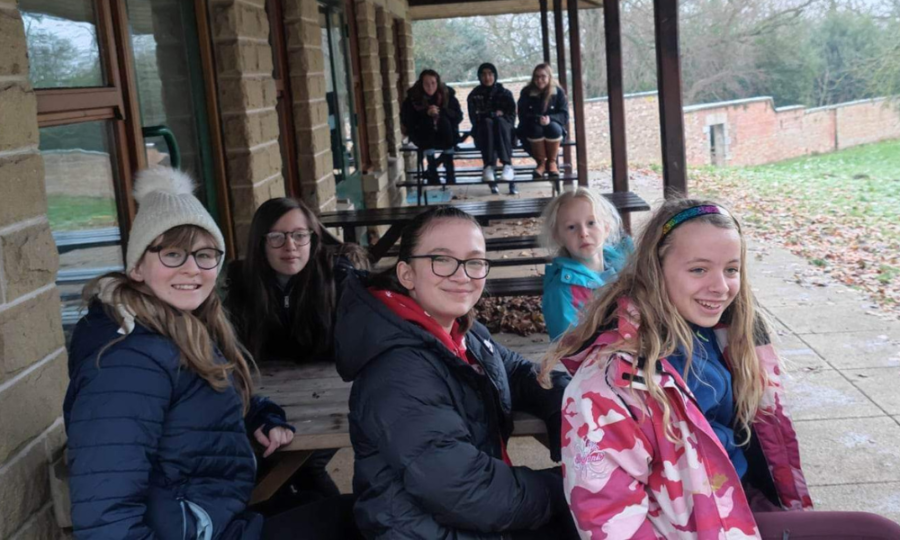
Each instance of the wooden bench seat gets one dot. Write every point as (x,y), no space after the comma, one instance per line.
(517,286)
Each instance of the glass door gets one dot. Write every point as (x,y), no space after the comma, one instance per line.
(171,90)
(341,115)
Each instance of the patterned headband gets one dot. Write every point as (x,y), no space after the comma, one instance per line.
(689,214)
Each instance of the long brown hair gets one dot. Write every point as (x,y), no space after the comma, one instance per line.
(195,333)
(255,302)
(419,98)
(549,91)
(662,330)
(409,241)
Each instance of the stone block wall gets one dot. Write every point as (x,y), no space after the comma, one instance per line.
(306,65)
(33,373)
(247,101)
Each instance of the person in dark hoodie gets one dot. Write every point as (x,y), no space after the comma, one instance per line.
(281,299)
(492,110)
(430,117)
(433,396)
(160,411)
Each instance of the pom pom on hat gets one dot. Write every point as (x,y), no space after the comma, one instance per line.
(162,179)
(166,200)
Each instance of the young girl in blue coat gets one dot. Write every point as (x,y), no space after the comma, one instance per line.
(160,412)
(584,232)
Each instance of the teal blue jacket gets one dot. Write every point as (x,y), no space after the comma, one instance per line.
(568,285)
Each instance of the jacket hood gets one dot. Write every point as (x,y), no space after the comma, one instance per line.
(94,331)
(490,66)
(366,328)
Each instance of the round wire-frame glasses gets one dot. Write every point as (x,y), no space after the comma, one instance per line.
(277,239)
(205,258)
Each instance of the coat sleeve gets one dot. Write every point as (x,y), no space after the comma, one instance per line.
(607,464)
(265,413)
(529,396)
(114,425)
(561,116)
(473,113)
(405,408)
(508,105)
(454,111)
(559,313)
(525,116)
(407,117)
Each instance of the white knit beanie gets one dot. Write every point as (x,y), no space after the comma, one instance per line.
(165,199)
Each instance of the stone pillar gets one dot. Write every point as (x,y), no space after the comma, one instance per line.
(33,374)
(375,180)
(306,63)
(388,49)
(247,101)
(407,72)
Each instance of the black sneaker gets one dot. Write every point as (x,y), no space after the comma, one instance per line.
(494,189)
(513,190)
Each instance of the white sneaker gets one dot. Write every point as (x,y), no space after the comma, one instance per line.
(509,173)
(488,174)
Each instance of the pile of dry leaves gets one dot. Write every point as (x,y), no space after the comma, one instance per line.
(518,315)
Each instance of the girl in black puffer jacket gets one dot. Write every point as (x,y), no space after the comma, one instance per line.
(492,110)
(430,117)
(433,397)
(543,119)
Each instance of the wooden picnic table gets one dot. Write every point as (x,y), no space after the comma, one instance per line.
(316,401)
(483,211)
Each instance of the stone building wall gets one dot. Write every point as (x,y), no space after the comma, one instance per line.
(247,102)
(32,355)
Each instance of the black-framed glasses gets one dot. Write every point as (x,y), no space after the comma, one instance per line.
(276,239)
(446,266)
(206,258)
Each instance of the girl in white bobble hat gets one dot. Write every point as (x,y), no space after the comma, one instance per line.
(159,411)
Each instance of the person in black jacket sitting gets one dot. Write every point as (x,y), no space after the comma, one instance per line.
(160,411)
(433,396)
(281,299)
(543,119)
(430,117)
(492,110)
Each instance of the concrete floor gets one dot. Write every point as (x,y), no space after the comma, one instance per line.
(843,362)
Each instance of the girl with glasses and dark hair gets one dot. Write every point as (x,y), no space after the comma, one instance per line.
(281,298)
(433,395)
(160,411)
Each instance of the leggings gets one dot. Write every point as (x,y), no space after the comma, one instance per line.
(533,131)
(328,519)
(493,136)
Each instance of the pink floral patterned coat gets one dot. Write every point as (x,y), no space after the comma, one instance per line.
(624,479)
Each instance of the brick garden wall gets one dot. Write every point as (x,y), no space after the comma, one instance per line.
(755,131)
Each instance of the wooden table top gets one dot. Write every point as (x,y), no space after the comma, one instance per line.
(316,402)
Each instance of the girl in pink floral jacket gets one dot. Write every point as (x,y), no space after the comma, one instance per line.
(674,424)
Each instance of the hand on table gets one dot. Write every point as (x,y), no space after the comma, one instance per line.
(278,437)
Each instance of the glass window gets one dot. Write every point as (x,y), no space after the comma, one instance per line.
(81,201)
(63,50)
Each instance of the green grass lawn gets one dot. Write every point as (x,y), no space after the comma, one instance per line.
(841,211)
(74,213)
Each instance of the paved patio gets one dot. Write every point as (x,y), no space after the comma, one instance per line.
(843,362)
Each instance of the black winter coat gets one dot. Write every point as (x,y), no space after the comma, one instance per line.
(415,119)
(426,429)
(485,101)
(154,449)
(531,108)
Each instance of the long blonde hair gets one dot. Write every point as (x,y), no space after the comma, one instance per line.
(195,333)
(606,214)
(549,91)
(662,330)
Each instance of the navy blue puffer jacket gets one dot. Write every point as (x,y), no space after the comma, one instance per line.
(154,451)
(426,429)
